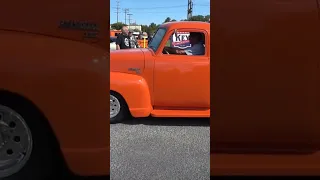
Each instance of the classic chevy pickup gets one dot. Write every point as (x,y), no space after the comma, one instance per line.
(163,80)
(53,77)
(265,73)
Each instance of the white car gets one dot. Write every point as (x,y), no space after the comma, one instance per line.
(113,43)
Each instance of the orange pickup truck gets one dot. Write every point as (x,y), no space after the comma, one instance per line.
(53,81)
(161,80)
(266,78)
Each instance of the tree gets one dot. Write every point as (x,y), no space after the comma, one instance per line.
(118,25)
(144,28)
(207,17)
(168,19)
(198,18)
(152,27)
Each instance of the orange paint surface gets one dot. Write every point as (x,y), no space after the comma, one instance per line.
(114,32)
(164,85)
(265,79)
(64,74)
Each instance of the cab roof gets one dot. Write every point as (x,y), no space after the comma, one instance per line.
(186,24)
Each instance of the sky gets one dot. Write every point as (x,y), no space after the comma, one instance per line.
(147,11)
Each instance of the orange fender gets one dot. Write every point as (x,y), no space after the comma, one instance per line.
(135,91)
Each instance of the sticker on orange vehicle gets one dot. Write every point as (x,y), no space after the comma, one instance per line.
(181,40)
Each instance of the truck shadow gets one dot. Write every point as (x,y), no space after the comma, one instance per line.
(169,121)
(88,178)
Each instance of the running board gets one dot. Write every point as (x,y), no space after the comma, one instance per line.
(181,113)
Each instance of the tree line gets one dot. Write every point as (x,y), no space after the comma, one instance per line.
(152,27)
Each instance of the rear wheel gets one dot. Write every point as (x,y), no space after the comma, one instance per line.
(118,108)
(27,150)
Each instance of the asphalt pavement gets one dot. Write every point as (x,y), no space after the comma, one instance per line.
(160,148)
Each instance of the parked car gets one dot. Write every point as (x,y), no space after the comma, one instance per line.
(113,40)
(153,81)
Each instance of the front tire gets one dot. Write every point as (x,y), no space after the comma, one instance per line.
(27,149)
(118,108)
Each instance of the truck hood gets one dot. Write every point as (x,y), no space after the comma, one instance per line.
(76,20)
(129,61)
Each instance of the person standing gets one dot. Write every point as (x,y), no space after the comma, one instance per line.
(123,39)
(133,41)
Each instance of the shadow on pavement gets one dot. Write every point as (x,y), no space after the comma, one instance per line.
(90,178)
(169,121)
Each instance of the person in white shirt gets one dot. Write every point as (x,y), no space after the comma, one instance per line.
(133,40)
(197,46)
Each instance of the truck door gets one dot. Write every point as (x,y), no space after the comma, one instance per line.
(182,81)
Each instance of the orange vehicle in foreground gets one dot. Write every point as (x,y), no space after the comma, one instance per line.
(266,77)
(53,81)
(154,81)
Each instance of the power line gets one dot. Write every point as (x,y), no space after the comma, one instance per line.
(118,8)
(202,4)
(129,19)
(162,7)
(155,12)
(142,10)
(126,11)
(168,7)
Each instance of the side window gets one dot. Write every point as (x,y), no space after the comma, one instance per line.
(169,42)
(185,43)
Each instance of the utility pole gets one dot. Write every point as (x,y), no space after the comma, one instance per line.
(190,8)
(126,11)
(129,19)
(118,8)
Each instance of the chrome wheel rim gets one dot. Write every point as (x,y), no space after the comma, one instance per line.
(15,142)
(114,106)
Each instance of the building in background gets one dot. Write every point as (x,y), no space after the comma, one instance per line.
(132,27)
(135,27)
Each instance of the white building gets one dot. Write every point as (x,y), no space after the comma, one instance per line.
(133,27)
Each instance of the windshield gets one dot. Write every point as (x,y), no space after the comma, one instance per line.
(157,38)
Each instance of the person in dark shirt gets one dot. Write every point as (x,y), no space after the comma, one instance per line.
(123,39)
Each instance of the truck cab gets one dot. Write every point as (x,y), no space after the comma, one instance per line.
(163,80)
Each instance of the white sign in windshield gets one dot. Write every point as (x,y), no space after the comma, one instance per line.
(181,40)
